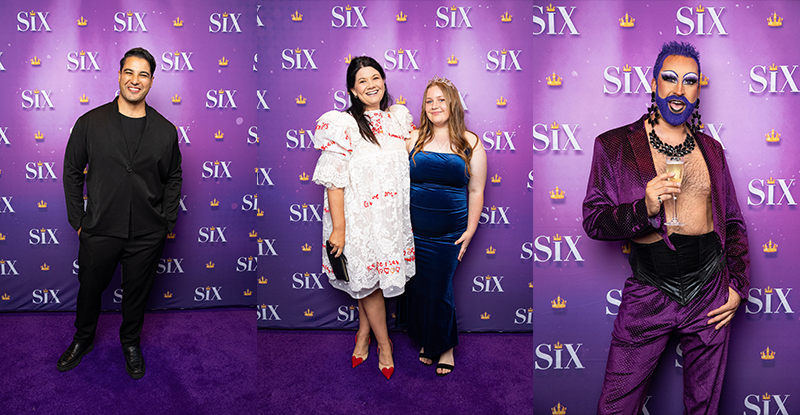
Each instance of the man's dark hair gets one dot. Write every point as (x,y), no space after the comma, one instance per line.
(139,53)
(679,49)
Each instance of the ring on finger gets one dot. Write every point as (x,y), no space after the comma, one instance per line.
(659,200)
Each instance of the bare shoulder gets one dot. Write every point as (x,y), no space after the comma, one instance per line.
(411,140)
(473,141)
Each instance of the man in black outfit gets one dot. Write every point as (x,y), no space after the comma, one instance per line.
(133,186)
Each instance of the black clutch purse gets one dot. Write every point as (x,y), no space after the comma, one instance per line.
(339,264)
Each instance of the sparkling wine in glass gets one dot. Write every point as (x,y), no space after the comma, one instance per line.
(675,165)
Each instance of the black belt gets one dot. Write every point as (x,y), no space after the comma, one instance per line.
(682,273)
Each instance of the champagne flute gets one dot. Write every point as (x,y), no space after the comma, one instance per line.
(675,165)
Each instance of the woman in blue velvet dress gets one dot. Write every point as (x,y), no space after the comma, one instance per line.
(448,172)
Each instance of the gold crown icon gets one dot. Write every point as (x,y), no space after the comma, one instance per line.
(298,51)
(402,17)
(304,177)
(501,102)
(85,169)
(308,313)
(297,17)
(773,67)
(302,131)
(348,59)
(626,249)
(224,14)
(768,290)
(2,261)
(352,307)
(400,100)
(82,22)
(212,228)
(215,202)
(210,265)
(626,21)
(491,250)
(38,163)
(6,297)
(772,137)
(42,204)
(83,99)
(556,237)
(223,61)
(2,238)
(260,213)
(550,8)
(503,52)
(177,53)
(36,91)
(452,60)
(176,99)
(768,354)
(505,17)
(39,135)
(304,205)
(36,61)
(703,79)
(530,284)
(248,293)
(262,280)
(253,233)
(263,306)
(219,135)
(45,267)
(774,20)
(170,235)
(558,302)
(554,80)
(453,8)
(306,247)
(401,51)
(556,193)
(770,180)
(558,346)
(177,22)
(558,410)
(250,258)
(496,178)
(130,13)
(493,208)
(83,53)
(485,316)
(700,8)
(626,68)
(167,294)
(770,247)
(766,397)
(169,259)
(300,100)
(554,126)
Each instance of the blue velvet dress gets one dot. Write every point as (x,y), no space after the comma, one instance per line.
(438,218)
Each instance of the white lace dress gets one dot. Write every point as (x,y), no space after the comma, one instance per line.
(379,244)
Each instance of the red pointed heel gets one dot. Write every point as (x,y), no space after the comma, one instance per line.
(357,360)
(387,371)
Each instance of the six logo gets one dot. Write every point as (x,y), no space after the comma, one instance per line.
(268,312)
(266,247)
(611,75)
(43,236)
(500,140)
(212,234)
(347,314)
(348,16)
(169,266)
(45,296)
(305,213)
(28,20)
(6,205)
(614,298)
(503,60)
(543,352)
(117,296)
(530,179)
(207,294)
(294,59)
(40,170)
(556,251)
(550,24)
(36,99)
(82,61)
(131,22)
(496,215)
(758,303)
(216,98)
(183,204)
(249,202)
(297,139)
(219,23)
(307,281)
(554,136)
(246,264)
(527,250)
(262,103)
(453,17)
(252,134)
(752,401)
(183,133)
(342,97)
(756,188)
(400,59)
(7,267)
(262,176)
(758,74)
(216,169)
(687,20)
(523,316)
(176,61)
(487,284)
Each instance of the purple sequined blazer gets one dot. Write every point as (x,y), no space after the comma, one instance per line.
(614,207)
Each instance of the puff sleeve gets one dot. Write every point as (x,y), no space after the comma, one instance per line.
(334,137)
(404,118)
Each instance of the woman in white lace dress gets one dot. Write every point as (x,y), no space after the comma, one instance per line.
(364,167)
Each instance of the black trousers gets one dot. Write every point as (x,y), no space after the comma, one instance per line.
(98,258)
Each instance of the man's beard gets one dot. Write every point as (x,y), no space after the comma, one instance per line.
(671,117)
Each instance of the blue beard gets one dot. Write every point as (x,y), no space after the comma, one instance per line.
(671,117)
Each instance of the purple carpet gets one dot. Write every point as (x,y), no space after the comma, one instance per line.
(309,373)
(198,362)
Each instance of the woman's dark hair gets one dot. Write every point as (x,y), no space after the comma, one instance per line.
(356,108)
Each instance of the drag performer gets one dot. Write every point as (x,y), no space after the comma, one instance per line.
(689,279)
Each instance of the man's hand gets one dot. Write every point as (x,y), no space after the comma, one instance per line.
(725,314)
(658,190)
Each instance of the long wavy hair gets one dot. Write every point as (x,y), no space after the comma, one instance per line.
(356,108)
(456,125)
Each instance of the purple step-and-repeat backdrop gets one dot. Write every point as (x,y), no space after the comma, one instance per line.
(594,62)
(59,59)
(304,50)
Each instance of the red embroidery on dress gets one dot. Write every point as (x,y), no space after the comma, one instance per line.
(396,136)
(388,267)
(327,268)
(322,126)
(326,210)
(326,145)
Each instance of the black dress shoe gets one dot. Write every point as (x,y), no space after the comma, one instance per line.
(72,356)
(134,361)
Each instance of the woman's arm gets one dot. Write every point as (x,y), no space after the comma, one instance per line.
(477,181)
(336,205)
